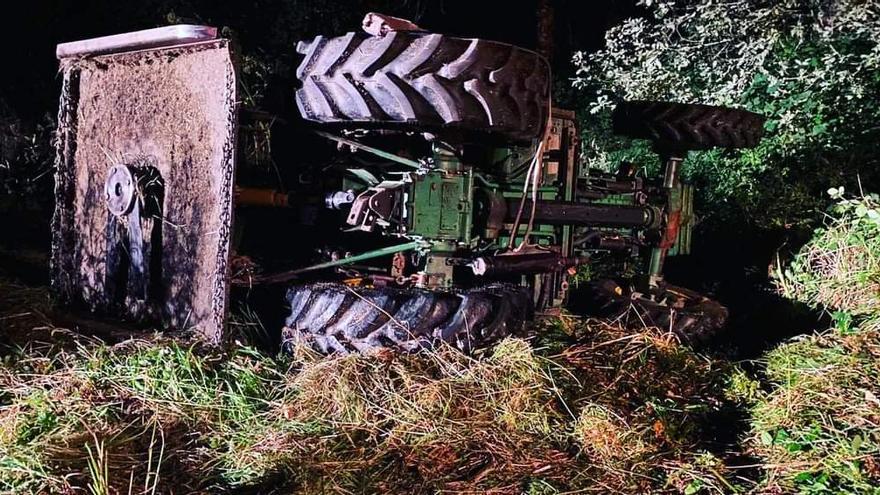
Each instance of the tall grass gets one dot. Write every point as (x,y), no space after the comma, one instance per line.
(601,409)
(839,268)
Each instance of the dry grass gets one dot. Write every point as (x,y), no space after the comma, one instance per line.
(597,409)
(839,269)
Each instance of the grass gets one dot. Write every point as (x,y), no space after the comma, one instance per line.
(586,407)
(839,268)
(818,425)
(592,407)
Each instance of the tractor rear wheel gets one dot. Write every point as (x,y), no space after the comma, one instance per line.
(679,126)
(424,82)
(336,318)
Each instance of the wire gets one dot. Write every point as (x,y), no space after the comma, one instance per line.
(522,200)
(532,179)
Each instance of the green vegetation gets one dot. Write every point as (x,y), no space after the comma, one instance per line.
(839,268)
(592,407)
(810,66)
(817,428)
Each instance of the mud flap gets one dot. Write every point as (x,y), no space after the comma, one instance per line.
(163,258)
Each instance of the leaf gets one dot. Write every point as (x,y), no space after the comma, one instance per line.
(803,476)
(835,192)
(693,487)
(856,443)
(781,436)
(766,438)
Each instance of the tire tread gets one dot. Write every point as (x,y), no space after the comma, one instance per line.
(424,80)
(688,126)
(336,318)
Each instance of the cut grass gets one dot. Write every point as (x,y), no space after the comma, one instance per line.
(603,410)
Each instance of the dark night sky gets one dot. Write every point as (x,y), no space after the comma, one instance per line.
(29,30)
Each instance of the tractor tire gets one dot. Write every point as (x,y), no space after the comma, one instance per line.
(695,319)
(424,82)
(682,127)
(335,318)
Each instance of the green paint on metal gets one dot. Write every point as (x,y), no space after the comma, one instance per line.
(440,206)
(655,266)
(438,273)
(376,253)
(616,199)
(369,149)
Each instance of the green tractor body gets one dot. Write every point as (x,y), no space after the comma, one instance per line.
(430,193)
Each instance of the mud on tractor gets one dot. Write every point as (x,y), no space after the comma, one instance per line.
(423,190)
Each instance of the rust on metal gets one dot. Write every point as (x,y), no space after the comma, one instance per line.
(670,234)
(253,196)
(381,24)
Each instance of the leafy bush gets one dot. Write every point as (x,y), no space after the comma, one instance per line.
(811,66)
(26,159)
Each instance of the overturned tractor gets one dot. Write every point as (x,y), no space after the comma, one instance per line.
(424,190)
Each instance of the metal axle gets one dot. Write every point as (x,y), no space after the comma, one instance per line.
(584,214)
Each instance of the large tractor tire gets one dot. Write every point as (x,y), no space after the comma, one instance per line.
(694,318)
(425,82)
(335,318)
(679,126)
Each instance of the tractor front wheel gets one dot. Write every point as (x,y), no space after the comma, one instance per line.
(693,317)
